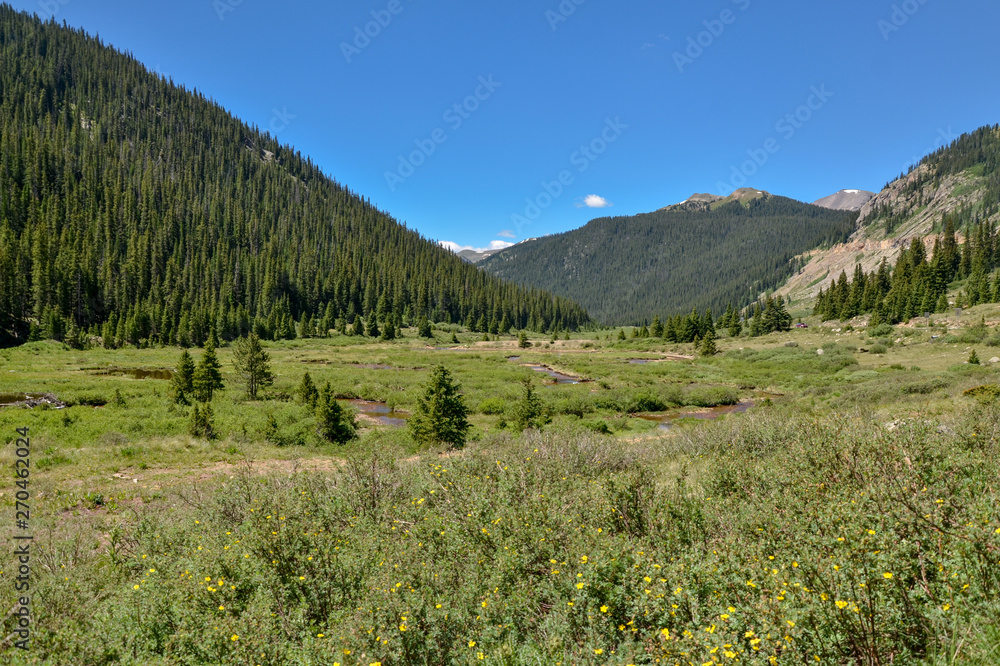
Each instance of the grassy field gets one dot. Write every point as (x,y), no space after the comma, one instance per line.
(850,516)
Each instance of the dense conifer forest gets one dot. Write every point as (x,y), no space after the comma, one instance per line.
(135,211)
(625,270)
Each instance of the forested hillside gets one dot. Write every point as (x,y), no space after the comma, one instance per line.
(959,183)
(919,283)
(702,255)
(975,155)
(144,212)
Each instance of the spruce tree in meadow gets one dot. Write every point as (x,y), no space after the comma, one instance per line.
(334,424)
(253,365)
(424,328)
(708,347)
(183,379)
(208,375)
(308,393)
(441,416)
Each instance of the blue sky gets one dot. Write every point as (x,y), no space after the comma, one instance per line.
(482,122)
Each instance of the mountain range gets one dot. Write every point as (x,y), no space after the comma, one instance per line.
(707,252)
(139,212)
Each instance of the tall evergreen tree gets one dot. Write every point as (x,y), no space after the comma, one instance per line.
(307,392)
(441,414)
(334,424)
(208,375)
(183,379)
(253,365)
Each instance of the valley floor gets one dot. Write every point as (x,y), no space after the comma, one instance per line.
(848,515)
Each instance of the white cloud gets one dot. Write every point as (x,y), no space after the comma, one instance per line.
(648,46)
(507,233)
(594,201)
(456,248)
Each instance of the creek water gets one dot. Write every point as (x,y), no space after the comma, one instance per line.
(138,373)
(379,411)
(667,419)
(7,399)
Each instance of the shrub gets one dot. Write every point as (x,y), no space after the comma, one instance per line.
(293,434)
(711,396)
(88,400)
(881,331)
(492,406)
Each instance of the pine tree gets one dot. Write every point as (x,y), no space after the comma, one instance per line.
(441,414)
(334,424)
(203,422)
(424,328)
(529,412)
(657,330)
(307,391)
(708,347)
(522,340)
(253,365)
(207,377)
(735,326)
(183,379)
(757,321)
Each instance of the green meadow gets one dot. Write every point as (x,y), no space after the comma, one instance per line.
(850,515)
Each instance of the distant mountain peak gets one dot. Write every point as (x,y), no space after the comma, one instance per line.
(712,201)
(846,200)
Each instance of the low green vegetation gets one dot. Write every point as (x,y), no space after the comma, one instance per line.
(849,516)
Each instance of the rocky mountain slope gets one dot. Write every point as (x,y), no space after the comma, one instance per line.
(961,181)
